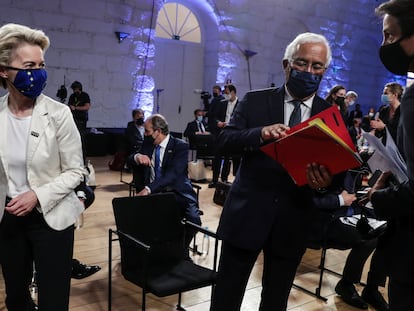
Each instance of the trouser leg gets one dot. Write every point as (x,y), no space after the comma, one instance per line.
(356,259)
(234,270)
(16,262)
(53,251)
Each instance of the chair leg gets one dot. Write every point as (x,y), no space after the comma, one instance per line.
(110,271)
(179,307)
(143,300)
(322,268)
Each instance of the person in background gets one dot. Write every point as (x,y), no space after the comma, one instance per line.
(219,116)
(40,166)
(339,201)
(197,126)
(336,96)
(356,113)
(394,202)
(389,115)
(161,165)
(265,210)
(80,103)
(86,196)
(134,133)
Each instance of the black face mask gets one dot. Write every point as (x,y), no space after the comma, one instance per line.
(139,121)
(340,101)
(394,58)
(149,139)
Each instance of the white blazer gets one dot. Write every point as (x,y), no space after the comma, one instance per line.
(54,161)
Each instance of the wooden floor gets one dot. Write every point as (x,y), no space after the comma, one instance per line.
(91,247)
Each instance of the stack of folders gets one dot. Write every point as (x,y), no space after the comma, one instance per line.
(322,139)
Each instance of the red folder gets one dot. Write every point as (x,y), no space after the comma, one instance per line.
(323,139)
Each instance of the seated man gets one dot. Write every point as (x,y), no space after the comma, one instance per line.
(197,126)
(327,227)
(134,133)
(80,270)
(161,166)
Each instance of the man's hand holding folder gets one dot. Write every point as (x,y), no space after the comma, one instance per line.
(322,139)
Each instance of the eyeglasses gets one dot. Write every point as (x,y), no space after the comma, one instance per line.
(303,65)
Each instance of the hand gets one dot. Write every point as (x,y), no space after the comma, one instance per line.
(318,176)
(274,131)
(221,124)
(143,192)
(381,183)
(348,197)
(22,204)
(377,124)
(72,107)
(142,159)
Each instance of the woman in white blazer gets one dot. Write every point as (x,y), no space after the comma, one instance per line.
(40,165)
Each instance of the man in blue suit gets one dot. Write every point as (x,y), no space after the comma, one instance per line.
(265,210)
(169,171)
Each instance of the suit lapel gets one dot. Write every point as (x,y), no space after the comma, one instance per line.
(168,152)
(276,106)
(38,125)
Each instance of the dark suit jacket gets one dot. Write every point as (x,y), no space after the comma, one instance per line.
(192,128)
(174,173)
(133,138)
(217,113)
(263,199)
(396,204)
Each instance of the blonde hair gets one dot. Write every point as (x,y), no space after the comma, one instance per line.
(12,35)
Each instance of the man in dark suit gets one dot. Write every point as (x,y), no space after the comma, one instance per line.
(218,117)
(134,133)
(197,126)
(395,203)
(264,209)
(168,170)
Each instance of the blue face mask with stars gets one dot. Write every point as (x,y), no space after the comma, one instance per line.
(30,82)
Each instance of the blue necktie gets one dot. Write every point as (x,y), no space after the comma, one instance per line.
(157,167)
(296,115)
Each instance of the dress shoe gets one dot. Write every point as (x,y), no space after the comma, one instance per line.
(373,297)
(212,184)
(349,294)
(80,270)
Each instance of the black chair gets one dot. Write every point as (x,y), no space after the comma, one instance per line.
(151,231)
(203,145)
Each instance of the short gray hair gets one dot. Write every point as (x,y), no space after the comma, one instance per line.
(352,93)
(307,37)
(159,122)
(12,35)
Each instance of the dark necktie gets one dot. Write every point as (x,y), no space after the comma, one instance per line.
(157,167)
(296,115)
(200,128)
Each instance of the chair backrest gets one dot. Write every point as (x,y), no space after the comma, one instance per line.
(154,220)
(204,144)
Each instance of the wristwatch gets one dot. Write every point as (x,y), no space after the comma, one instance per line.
(81,195)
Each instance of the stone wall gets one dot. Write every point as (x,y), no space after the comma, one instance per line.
(84,46)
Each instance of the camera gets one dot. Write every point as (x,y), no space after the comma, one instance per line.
(204,95)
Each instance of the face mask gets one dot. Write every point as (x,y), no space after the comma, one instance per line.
(351,102)
(215,95)
(394,58)
(340,100)
(30,82)
(149,139)
(227,96)
(385,99)
(371,114)
(302,84)
(199,118)
(139,121)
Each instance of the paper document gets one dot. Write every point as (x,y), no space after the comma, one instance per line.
(352,221)
(386,158)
